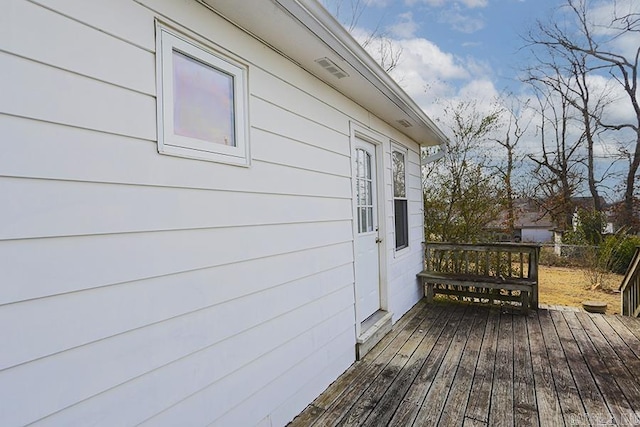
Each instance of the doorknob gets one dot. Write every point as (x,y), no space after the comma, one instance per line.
(378,240)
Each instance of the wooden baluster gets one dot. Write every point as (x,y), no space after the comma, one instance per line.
(486,263)
(521,265)
(466,262)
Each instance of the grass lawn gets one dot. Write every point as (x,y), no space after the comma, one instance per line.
(569,286)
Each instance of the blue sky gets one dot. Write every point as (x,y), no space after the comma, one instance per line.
(453,49)
(456,50)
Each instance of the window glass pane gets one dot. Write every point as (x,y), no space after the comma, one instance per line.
(364,191)
(363,220)
(369,193)
(367,165)
(359,163)
(203,101)
(401,223)
(398,175)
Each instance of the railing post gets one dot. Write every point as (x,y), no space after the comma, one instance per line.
(534,257)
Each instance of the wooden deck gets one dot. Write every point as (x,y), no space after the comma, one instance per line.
(454,365)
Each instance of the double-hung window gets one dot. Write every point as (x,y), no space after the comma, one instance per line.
(202,101)
(400,208)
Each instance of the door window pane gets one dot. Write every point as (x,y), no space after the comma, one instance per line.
(364,191)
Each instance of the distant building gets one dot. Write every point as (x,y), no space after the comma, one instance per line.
(531,224)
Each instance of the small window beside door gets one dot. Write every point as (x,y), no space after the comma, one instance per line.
(400,204)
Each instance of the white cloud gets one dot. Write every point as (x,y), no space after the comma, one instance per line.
(435,3)
(430,61)
(481,88)
(378,3)
(456,13)
(405,27)
(461,22)
(472,4)
(434,78)
(606,19)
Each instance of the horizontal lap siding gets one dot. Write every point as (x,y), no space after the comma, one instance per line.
(146,286)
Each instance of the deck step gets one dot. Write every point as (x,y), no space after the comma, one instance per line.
(373,330)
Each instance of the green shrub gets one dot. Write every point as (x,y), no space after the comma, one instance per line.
(622,250)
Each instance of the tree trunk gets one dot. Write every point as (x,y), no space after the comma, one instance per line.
(629,217)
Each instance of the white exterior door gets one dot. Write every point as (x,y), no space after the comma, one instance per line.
(366,244)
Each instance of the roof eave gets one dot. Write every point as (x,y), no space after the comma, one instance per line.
(368,67)
(313,33)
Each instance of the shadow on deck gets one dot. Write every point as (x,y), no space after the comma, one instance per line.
(453,365)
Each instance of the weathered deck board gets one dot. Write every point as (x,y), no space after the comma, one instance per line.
(549,412)
(480,396)
(524,397)
(631,323)
(369,399)
(603,363)
(502,392)
(570,403)
(432,405)
(410,405)
(456,404)
(475,366)
(591,398)
(369,368)
(386,407)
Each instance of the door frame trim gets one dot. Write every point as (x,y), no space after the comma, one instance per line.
(380,142)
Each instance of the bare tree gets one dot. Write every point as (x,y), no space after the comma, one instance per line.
(515,128)
(558,171)
(377,42)
(348,12)
(590,46)
(567,73)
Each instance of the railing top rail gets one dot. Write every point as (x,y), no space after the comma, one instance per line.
(507,247)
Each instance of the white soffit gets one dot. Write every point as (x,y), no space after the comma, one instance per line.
(307,34)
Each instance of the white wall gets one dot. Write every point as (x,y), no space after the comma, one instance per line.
(537,235)
(142,287)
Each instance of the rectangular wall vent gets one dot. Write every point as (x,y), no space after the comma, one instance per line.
(331,67)
(404,123)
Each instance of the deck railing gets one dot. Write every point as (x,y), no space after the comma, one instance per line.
(630,287)
(487,271)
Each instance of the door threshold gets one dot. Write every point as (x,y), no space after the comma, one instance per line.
(373,329)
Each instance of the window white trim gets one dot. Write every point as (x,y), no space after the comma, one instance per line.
(169,142)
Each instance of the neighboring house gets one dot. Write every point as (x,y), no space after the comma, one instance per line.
(531,224)
(208,207)
(615,220)
(534,227)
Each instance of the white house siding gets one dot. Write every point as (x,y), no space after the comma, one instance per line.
(138,287)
